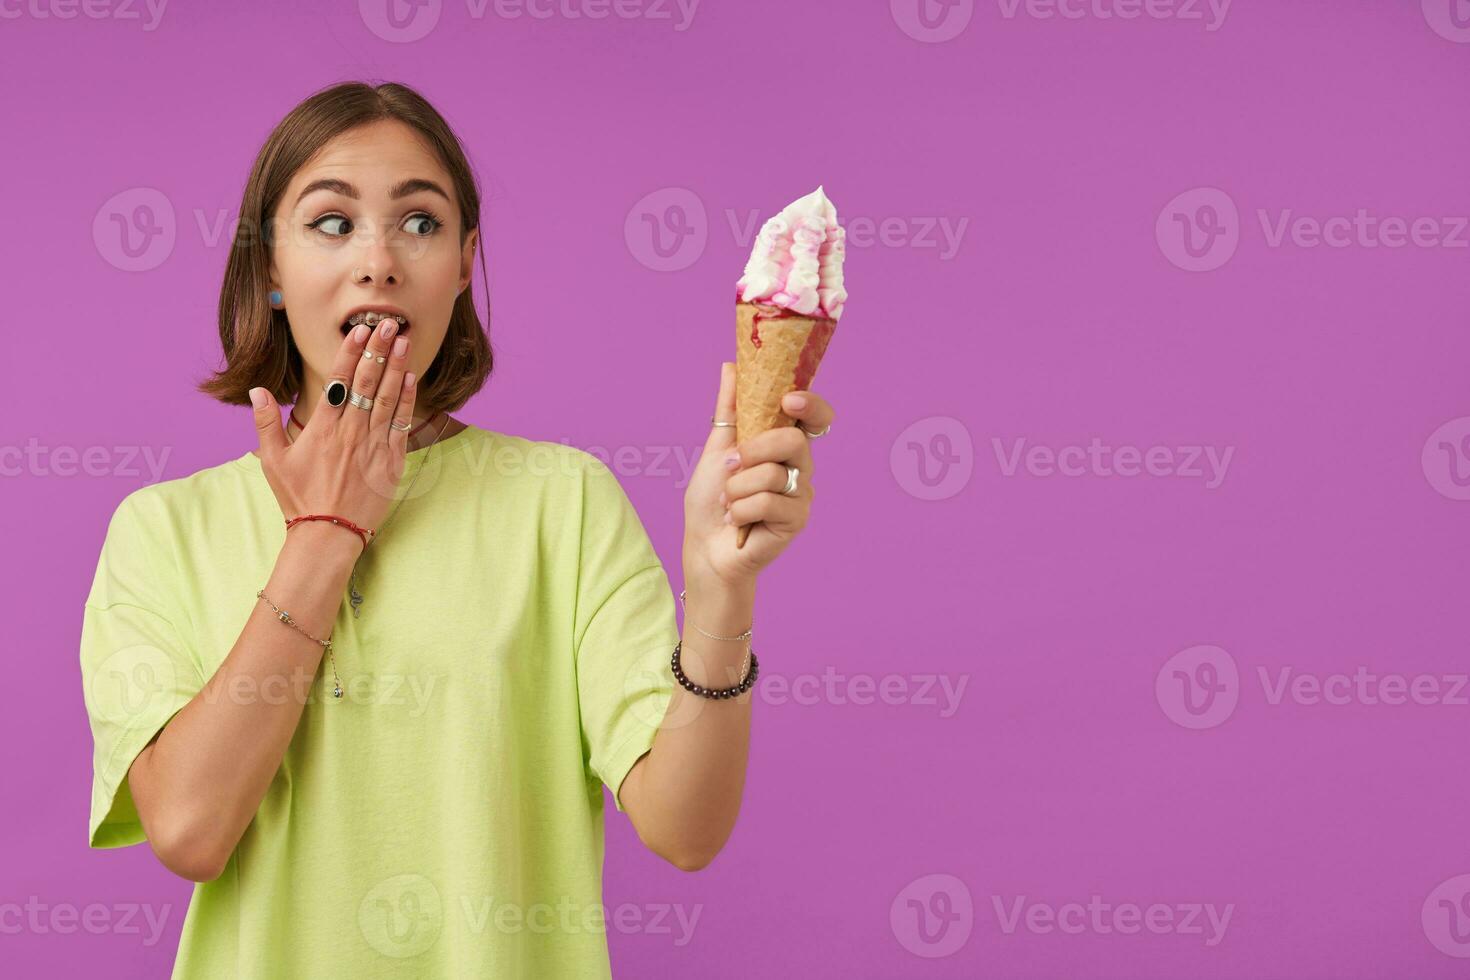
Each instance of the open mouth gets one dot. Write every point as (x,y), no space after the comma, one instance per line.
(372,318)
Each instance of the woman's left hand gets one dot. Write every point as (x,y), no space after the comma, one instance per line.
(750,493)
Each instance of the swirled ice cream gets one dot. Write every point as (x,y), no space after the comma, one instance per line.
(796,262)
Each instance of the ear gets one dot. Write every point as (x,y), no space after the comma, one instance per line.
(467,259)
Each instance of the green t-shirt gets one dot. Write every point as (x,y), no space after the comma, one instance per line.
(444,818)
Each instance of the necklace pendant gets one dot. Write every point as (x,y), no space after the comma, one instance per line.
(356,600)
(337,691)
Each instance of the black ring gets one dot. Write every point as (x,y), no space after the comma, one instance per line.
(336,392)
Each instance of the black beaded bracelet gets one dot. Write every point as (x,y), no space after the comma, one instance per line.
(705,692)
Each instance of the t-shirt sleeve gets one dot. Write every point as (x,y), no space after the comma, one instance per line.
(625,631)
(138,670)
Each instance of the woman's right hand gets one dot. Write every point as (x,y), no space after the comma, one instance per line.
(347,461)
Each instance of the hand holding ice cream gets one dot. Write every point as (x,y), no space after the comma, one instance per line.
(787,303)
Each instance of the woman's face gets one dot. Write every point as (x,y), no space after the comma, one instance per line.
(369,223)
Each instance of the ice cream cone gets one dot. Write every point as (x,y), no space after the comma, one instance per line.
(776,352)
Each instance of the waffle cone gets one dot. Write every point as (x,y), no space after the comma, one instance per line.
(775,353)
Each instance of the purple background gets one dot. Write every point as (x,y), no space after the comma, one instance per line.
(1070,766)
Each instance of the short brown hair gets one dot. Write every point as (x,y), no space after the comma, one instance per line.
(256,338)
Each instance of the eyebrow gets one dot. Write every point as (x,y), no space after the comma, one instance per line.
(401,189)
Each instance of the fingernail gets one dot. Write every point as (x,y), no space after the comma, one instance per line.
(732,461)
(257,397)
(387,327)
(408,380)
(728,518)
(795,402)
(361,333)
(399,346)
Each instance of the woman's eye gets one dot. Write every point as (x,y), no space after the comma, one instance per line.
(432,223)
(324,219)
(427,224)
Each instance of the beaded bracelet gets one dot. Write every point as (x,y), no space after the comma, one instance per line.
(705,692)
(366,533)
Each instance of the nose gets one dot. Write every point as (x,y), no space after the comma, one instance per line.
(378,262)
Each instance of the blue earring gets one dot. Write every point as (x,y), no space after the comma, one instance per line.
(275,297)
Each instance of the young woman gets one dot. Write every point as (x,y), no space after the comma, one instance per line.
(364,683)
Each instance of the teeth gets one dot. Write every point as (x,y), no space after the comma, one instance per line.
(372,317)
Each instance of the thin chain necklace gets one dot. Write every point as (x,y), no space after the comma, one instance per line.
(355,597)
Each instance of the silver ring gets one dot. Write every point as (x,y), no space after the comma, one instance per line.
(404,427)
(719,424)
(361,401)
(814,435)
(791,474)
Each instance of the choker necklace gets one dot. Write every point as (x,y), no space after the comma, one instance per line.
(293,420)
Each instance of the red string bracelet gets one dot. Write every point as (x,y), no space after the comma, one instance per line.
(366,533)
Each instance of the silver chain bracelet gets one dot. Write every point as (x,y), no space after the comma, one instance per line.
(742,636)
